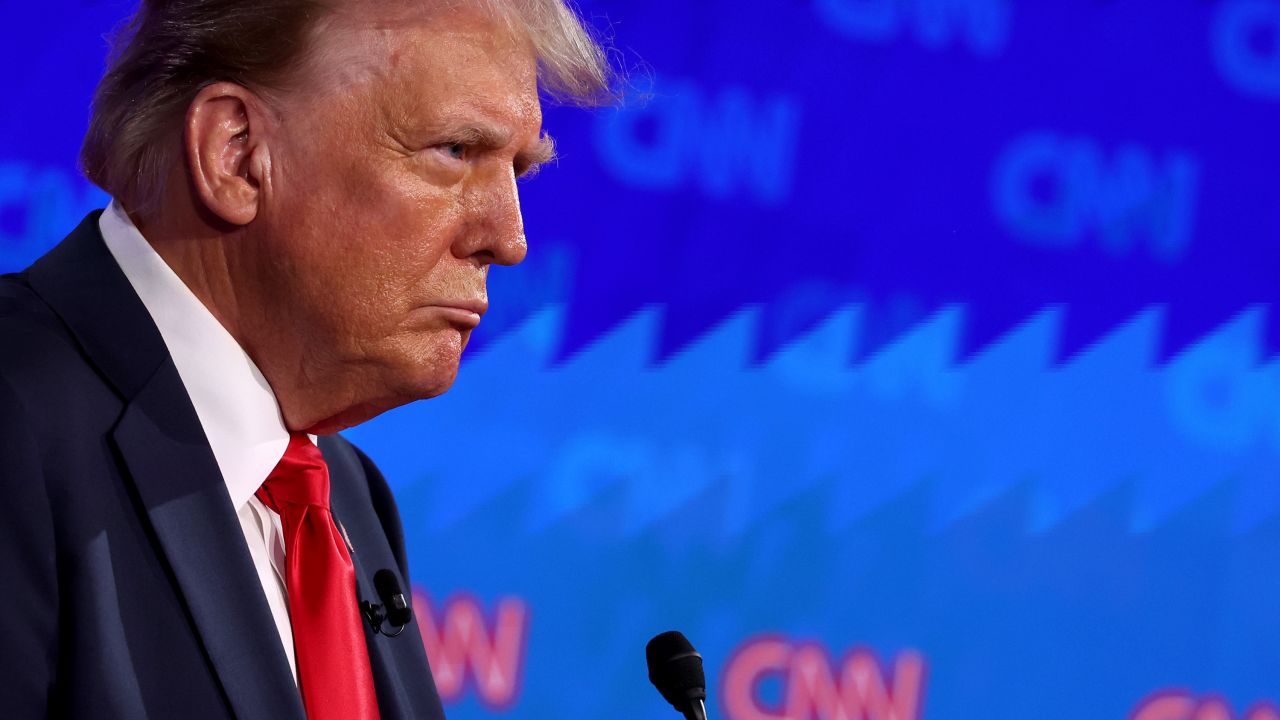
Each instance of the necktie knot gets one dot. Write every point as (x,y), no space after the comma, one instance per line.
(300,478)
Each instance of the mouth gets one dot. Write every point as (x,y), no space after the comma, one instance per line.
(463,313)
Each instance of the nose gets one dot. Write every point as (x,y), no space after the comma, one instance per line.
(497,235)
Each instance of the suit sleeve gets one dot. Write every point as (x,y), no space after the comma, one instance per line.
(384,503)
(29,602)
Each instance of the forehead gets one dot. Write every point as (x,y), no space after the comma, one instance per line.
(428,58)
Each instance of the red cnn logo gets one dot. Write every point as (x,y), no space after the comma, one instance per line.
(814,686)
(466,649)
(1184,705)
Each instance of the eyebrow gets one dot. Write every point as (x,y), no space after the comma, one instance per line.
(490,137)
(543,152)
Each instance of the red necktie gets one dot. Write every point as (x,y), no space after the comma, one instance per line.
(328,632)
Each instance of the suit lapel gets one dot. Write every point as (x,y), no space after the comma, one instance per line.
(399,664)
(393,703)
(168,459)
(186,501)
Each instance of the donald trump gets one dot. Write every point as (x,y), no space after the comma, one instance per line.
(307,199)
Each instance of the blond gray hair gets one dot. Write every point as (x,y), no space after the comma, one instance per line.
(170,49)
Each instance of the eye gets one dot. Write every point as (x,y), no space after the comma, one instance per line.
(455,150)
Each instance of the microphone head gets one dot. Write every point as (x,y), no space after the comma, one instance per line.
(399,609)
(675,668)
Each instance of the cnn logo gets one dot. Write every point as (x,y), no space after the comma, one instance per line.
(1184,705)
(811,684)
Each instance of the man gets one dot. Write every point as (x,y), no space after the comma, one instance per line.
(307,199)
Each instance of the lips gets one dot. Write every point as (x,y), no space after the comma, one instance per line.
(464,314)
(477,307)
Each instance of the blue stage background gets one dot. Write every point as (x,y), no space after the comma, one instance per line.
(916,358)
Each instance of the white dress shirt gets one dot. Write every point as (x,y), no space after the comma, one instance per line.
(236,406)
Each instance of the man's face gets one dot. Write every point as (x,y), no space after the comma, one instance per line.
(391,191)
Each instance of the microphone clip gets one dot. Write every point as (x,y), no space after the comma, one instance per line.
(377,617)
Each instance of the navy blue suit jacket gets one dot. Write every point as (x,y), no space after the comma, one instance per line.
(127,589)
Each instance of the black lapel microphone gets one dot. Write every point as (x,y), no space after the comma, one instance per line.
(399,611)
(675,668)
(395,607)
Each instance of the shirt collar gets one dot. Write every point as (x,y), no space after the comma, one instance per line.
(236,406)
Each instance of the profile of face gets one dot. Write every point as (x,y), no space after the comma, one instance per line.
(387,191)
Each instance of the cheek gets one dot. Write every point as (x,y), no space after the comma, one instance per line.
(390,234)
(370,241)
(400,254)
(398,264)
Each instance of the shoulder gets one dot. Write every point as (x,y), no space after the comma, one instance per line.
(40,360)
(30,335)
(29,323)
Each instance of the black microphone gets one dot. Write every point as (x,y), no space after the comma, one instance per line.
(394,608)
(675,668)
(398,609)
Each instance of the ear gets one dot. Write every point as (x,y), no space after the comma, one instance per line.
(227,155)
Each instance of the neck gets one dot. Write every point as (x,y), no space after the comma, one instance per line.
(196,253)
(206,259)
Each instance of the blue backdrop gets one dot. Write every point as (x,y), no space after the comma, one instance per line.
(917,358)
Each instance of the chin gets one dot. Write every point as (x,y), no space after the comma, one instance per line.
(397,376)
(429,375)
(432,386)
(410,372)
